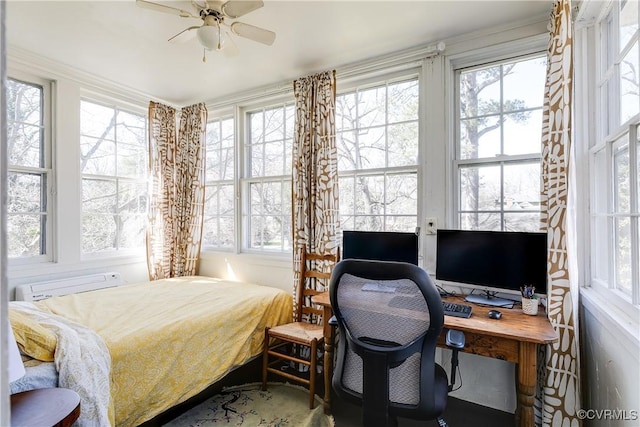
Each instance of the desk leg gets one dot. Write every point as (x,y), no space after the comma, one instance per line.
(328,357)
(526,384)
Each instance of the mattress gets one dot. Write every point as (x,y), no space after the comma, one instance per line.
(169,339)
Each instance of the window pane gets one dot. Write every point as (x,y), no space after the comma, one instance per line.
(274,125)
(403,144)
(402,195)
(480,188)
(523,133)
(522,187)
(98,156)
(24,193)
(480,92)
(346,111)
(480,137)
(370,195)
(97,120)
(24,235)
(24,144)
(132,197)
(621,173)
(524,84)
(403,101)
(628,21)
(372,148)
(132,230)
(98,233)
(623,254)
(24,103)
(99,196)
(348,151)
(629,85)
(274,158)
(372,107)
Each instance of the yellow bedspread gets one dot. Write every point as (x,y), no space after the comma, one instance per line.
(169,339)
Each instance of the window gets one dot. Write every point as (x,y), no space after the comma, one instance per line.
(267,182)
(113,163)
(498,146)
(377,140)
(219,228)
(29,170)
(614,164)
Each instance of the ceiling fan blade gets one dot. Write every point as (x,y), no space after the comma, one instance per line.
(230,49)
(164,8)
(235,9)
(183,35)
(257,34)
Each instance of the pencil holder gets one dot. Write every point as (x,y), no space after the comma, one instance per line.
(530,306)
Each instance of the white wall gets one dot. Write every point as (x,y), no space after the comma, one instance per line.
(610,363)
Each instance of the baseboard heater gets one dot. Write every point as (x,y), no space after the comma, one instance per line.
(70,285)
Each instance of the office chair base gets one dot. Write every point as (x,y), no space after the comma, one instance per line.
(442,422)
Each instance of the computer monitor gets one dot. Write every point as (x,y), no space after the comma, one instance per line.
(493,261)
(381,245)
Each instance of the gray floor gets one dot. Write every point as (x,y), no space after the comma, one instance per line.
(458,414)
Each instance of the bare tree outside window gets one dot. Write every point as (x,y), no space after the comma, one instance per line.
(28,170)
(377,140)
(219,226)
(499,145)
(113,163)
(267,183)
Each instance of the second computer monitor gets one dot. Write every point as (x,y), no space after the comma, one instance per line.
(380,246)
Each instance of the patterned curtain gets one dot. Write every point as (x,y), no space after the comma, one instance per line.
(315,169)
(559,374)
(176,205)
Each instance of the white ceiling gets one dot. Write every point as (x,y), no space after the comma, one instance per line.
(124,43)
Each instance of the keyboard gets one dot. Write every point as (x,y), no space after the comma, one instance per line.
(456,310)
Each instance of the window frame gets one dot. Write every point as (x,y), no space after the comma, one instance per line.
(608,133)
(117,105)
(533,49)
(219,117)
(48,171)
(384,80)
(244,214)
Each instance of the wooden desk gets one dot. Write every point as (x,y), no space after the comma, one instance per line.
(514,338)
(57,407)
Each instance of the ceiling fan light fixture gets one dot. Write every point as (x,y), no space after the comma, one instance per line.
(210,37)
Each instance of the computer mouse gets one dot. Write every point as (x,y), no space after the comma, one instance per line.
(495,314)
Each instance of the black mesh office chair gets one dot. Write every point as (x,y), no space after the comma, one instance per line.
(389,316)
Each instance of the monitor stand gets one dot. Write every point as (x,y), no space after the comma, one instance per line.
(489,300)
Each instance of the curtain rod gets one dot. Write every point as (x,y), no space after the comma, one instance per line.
(403,58)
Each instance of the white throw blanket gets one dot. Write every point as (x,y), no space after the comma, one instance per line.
(83,363)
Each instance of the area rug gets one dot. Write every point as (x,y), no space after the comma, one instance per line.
(248,406)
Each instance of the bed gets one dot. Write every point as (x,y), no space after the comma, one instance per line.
(137,350)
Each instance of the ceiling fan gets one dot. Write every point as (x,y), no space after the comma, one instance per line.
(213,13)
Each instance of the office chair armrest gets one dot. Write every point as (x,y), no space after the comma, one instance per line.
(455,339)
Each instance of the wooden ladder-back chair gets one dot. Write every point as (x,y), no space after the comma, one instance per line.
(292,342)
